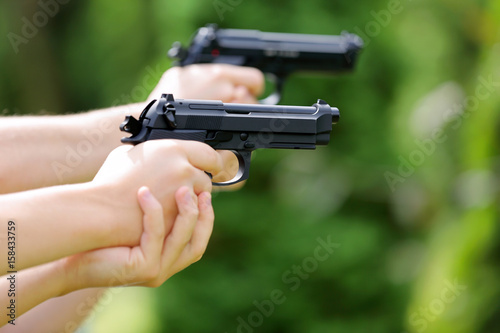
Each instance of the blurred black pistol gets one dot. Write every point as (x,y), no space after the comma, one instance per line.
(276,54)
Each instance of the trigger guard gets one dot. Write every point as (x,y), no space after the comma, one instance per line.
(272,99)
(242,173)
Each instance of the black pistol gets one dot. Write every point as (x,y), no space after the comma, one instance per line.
(240,128)
(276,54)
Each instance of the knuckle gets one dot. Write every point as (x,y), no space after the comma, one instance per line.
(226,91)
(191,212)
(151,272)
(218,72)
(259,76)
(213,159)
(198,250)
(257,73)
(169,146)
(155,209)
(161,147)
(157,228)
(185,171)
(138,270)
(197,258)
(204,183)
(131,269)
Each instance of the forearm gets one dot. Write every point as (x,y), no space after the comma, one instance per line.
(70,149)
(28,288)
(61,314)
(49,150)
(58,221)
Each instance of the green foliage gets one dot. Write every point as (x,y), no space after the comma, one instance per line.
(397,248)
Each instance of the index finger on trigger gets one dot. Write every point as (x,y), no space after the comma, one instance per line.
(230,167)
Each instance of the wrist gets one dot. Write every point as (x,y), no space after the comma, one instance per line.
(65,275)
(50,278)
(119,222)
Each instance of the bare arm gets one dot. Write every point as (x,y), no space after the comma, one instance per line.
(51,150)
(60,148)
(164,250)
(31,287)
(58,221)
(60,314)
(54,222)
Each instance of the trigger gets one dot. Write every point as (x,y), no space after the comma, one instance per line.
(243,168)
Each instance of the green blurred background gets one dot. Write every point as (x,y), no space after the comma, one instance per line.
(407,190)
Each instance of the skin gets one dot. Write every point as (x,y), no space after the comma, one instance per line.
(40,148)
(164,250)
(34,145)
(105,211)
(109,204)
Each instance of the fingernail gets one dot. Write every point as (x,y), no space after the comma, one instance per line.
(146,193)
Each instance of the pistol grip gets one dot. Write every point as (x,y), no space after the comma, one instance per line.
(243,157)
